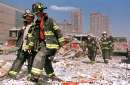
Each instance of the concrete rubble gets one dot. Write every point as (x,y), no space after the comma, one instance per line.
(77,70)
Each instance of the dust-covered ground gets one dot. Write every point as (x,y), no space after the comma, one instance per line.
(79,71)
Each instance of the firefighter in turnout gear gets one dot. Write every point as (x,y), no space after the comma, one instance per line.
(105,47)
(91,45)
(25,51)
(48,39)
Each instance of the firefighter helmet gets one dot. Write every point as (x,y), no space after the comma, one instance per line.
(104,32)
(27,13)
(38,7)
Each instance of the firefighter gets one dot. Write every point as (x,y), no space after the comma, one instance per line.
(91,45)
(105,47)
(49,38)
(24,52)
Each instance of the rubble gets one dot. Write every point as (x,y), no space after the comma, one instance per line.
(4,67)
(7,49)
(2,72)
(16,82)
(79,71)
(82,71)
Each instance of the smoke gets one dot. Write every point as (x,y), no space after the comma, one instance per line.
(62,8)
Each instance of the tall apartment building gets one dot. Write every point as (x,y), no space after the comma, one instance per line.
(10,17)
(74,26)
(98,23)
(76,21)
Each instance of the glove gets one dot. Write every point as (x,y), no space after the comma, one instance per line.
(25,47)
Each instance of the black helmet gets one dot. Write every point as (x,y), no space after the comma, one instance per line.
(38,7)
(27,13)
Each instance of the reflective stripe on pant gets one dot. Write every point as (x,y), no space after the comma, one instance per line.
(42,60)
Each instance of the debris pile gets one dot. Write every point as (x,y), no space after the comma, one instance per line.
(78,71)
(82,71)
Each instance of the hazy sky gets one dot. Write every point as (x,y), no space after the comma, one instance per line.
(117,10)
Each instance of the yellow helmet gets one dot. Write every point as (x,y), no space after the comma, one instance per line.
(38,7)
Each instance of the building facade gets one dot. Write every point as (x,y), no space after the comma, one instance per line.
(76,22)
(98,24)
(65,27)
(10,17)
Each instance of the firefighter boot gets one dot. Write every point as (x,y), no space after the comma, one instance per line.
(12,74)
(32,78)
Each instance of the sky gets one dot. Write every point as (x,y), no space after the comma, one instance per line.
(118,11)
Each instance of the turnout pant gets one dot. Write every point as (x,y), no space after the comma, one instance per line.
(91,54)
(106,54)
(22,56)
(110,53)
(42,61)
